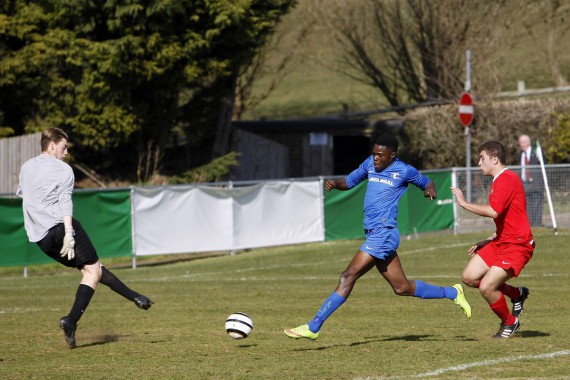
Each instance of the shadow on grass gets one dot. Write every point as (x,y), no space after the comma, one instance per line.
(369,340)
(463,338)
(533,334)
(101,340)
(247,345)
(408,338)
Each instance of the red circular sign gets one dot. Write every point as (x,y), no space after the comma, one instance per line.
(466,109)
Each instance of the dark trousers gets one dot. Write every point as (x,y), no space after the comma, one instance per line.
(534,205)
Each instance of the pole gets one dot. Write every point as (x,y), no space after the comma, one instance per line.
(468,70)
(468,129)
(133,230)
(545,180)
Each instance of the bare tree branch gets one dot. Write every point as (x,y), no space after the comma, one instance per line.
(260,69)
(553,16)
(413,50)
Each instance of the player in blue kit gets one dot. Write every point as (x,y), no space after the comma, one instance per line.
(388,179)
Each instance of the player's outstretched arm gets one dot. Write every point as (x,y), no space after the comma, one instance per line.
(482,210)
(430,191)
(339,184)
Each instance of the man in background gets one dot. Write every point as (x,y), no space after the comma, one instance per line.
(532,181)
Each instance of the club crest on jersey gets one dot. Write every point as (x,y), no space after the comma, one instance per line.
(395,175)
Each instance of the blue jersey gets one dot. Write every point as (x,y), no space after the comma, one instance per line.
(384,190)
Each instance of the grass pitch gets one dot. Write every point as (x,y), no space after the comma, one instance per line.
(375,334)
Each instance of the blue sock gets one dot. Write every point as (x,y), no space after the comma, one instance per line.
(427,291)
(331,304)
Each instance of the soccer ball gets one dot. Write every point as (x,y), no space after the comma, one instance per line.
(239,325)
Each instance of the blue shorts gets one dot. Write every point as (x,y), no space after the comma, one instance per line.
(381,242)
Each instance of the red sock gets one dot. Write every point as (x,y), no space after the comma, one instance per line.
(510,291)
(502,310)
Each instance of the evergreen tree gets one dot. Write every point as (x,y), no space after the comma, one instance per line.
(129,78)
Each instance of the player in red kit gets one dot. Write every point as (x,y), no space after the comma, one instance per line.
(505,253)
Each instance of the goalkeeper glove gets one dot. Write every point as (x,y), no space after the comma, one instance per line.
(68,248)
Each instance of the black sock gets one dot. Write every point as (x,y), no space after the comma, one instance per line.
(82,298)
(109,279)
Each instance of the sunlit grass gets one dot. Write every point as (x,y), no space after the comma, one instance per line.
(374,334)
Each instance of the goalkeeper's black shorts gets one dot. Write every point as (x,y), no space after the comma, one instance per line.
(85,253)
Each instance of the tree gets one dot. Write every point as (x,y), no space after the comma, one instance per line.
(125,76)
(271,64)
(559,139)
(433,137)
(553,16)
(413,50)
(256,23)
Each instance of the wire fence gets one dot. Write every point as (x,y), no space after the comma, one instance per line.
(548,206)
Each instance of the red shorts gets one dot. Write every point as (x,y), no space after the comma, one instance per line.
(507,255)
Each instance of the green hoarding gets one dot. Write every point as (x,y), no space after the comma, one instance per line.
(343,213)
(418,214)
(344,210)
(105,215)
(15,249)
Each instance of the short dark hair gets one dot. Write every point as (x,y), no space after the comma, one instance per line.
(52,134)
(388,141)
(495,149)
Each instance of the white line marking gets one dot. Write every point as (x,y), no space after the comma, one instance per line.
(484,363)
(433,248)
(493,362)
(18,310)
(203,276)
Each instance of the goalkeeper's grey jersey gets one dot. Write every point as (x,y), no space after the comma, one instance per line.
(46,185)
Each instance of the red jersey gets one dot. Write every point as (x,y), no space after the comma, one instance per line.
(508,199)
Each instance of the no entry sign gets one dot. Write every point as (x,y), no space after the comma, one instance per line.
(466,109)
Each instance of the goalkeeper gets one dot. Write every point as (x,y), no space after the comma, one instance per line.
(46,185)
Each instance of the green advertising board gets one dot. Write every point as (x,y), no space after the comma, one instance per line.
(344,210)
(15,249)
(418,214)
(105,215)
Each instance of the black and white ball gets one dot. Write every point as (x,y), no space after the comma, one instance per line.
(239,325)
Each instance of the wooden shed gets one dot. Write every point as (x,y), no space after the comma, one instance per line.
(304,147)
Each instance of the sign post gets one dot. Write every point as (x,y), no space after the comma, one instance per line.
(466,109)
(466,114)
